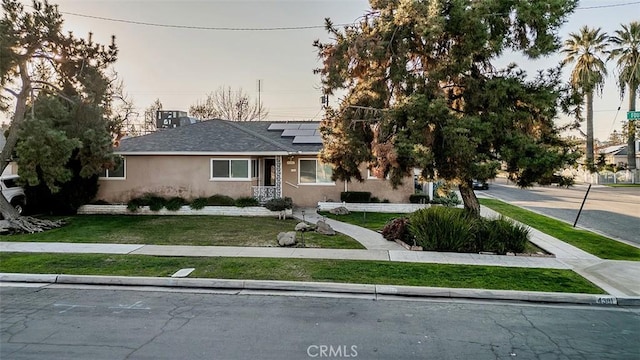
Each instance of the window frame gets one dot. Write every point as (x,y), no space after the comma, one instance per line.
(247,161)
(316,183)
(106,175)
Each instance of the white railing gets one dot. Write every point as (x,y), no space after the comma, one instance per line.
(264,193)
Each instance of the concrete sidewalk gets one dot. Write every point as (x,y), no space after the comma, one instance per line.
(618,278)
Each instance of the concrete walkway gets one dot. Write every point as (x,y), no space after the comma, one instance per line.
(618,278)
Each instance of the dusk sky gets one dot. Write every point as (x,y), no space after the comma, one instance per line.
(180,66)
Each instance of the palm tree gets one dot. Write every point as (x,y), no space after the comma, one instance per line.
(626,49)
(585,48)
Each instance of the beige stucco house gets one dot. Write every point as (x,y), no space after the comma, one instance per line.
(260,159)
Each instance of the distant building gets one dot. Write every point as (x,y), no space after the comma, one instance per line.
(169,119)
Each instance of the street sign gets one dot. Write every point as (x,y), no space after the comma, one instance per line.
(633,115)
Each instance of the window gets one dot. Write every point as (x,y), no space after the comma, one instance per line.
(254,168)
(315,172)
(230,169)
(118,171)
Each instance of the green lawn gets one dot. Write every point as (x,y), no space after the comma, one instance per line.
(595,244)
(341,271)
(181,230)
(371,220)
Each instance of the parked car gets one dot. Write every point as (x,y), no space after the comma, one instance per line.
(13,192)
(480,185)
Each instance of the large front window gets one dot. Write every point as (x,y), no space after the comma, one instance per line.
(230,169)
(313,171)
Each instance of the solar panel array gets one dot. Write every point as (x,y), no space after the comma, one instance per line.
(302,133)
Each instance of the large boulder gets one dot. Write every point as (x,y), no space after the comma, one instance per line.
(287,238)
(323,228)
(339,211)
(303,226)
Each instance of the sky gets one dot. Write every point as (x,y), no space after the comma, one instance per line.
(180,66)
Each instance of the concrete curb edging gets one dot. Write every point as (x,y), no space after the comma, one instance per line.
(342,288)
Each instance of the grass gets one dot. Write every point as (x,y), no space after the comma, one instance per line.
(595,244)
(341,271)
(371,220)
(181,230)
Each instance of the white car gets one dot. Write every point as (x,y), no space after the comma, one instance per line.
(13,192)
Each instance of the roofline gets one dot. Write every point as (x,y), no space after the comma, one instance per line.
(213,153)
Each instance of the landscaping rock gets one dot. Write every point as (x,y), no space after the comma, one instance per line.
(303,226)
(340,211)
(287,238)
(323,228)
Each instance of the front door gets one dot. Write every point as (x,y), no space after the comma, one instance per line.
(269,172)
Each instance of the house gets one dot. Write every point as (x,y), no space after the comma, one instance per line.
(260,159)
(617,154)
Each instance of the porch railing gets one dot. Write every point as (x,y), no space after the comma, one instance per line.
(263,193)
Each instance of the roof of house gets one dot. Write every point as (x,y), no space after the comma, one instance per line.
(227,137)
(614,150)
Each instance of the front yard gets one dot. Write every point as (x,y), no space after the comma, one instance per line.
(181,230)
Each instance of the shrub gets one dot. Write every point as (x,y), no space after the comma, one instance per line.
(450,199)
(155,203)
(175,203)
(247,201)
(397,229)
(374,200)
(443,229)
(501,236)
(220,200)
(419,198)
(279,204)
(199,203)
(355,196)
(100,202)
(385,201)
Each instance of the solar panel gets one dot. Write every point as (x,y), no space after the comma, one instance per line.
(297,132)
(283,126)
(309,126)
(307,140)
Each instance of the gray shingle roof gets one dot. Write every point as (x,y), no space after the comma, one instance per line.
(217,136)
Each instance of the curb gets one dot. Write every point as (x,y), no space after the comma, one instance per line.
(326,287)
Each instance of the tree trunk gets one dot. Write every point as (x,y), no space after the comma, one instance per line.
(631,138)
(469,198)
(589,154)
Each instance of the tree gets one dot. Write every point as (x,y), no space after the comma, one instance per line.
(61,151)
(150,117)
(584,49)
(73,70)
(228,104)
(422,92)
(626,51)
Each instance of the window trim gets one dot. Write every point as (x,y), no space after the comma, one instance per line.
(124,172)
(316,183)
(229,178)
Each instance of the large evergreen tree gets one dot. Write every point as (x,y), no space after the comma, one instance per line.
(422,91)
(36,55)
(626,51)
(586,50)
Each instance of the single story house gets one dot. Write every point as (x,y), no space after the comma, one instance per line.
(260,159)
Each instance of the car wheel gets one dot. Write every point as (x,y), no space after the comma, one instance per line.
(19,208)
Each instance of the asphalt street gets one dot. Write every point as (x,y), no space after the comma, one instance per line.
(113,323)
(614,212)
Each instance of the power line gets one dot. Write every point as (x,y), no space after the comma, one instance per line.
(279,28)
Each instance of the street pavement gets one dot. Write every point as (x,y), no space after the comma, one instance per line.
(617,278)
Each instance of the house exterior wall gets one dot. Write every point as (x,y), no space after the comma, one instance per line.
(311,194)
(189,177)
(185,176)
